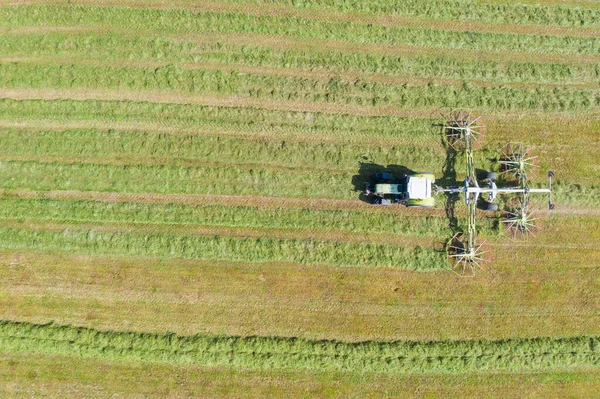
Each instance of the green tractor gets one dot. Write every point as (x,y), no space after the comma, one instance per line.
(415,190)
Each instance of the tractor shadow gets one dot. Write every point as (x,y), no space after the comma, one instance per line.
(366,172)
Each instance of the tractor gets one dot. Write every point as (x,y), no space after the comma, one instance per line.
(414,190)
(462,134)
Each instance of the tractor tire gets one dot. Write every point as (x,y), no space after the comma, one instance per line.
(429,176)
(422,203)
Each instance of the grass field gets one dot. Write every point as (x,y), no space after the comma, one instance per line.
(179,197)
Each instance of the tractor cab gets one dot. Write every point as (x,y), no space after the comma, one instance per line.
(410,190)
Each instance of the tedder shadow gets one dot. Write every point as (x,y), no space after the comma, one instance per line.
(449,179)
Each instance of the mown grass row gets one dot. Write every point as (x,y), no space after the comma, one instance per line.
(336,90)
(174,148)
(311,124)
(221,215)
(459,10)
(219,180)
(183,21)
(117,48)
(525,354)
(246,249)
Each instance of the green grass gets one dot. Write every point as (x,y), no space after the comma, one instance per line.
(220,215)
(459,10)
(21,75)
(117,48)
(41,375)
(292,353)
(175,148)
(182,21)
(315,125)
(220,180)
(263,249)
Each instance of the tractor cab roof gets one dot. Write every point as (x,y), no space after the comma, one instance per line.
(419,187)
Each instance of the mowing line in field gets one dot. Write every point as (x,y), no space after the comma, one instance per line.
(547,127)
(305,224)
(249,131)
(354,15)
(545,135)
(317,75)
(544,132)
(190,148)
(277,353)
(240,180)
(174,78)
(112,239)
(353,303)
(226,200)
(102,46)
(340,51)
(258,202)
(174,21)
(169,97)
(565,228)
(575,13)
(118,147)
(56,375)
(282,42)
(404,239)
(200,216)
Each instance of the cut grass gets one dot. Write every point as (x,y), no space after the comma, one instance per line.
(175,148)
(336,90)
(56,375)
(179,21)
(262,249)
(219,215)
(514,298)
(292,353)
(576,15)
(119,48)
(310,124)
(216,179)
(219,180)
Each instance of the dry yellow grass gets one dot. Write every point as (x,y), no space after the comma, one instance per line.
(310,301)
(56,376)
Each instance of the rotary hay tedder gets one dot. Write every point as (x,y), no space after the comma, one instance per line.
(463,133)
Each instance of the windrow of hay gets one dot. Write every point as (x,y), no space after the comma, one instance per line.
(525,354)
(88,241)
(336,90)
(182,21)
(105,48)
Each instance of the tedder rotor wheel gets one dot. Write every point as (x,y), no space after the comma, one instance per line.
(423,203)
